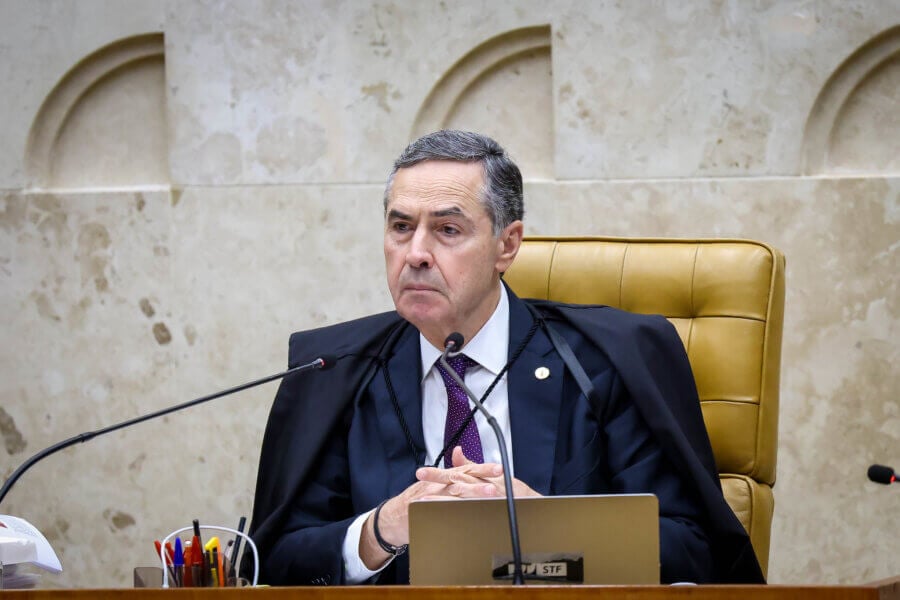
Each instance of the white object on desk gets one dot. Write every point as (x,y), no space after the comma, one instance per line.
(17,536)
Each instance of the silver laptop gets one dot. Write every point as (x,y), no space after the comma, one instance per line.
(601,540)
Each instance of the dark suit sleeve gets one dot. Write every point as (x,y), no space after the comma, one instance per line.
(309,550)
(637,465)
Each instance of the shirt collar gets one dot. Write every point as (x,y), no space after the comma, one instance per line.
(489,347)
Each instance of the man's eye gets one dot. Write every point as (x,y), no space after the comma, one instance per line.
(449,230)
(401,227)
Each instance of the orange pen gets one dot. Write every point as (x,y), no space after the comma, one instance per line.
(217,560)
(188,560)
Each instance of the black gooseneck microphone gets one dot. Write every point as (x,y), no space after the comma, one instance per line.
(882,474)
(323,362)
(452,346)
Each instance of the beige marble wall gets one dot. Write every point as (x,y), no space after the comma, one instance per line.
(170,209)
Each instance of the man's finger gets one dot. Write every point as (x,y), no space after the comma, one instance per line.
(458,458)
(420,489)
(468,473)
(487,470)
(432,475)
(470,490)
(445,476)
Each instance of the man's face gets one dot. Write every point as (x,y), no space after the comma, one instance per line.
(443,260)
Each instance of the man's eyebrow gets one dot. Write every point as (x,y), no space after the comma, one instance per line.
(453,211)
(396,214)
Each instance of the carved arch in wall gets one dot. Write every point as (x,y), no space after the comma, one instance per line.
(854,125)
(503,88)
(104,123)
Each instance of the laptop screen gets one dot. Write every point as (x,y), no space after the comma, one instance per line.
(600,540)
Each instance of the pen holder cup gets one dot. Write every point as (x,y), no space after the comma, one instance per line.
(234,580)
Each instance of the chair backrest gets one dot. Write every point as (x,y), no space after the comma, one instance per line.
(726,300)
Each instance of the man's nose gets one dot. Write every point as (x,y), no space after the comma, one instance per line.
(419,254)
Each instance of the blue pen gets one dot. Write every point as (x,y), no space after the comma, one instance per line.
(178,563)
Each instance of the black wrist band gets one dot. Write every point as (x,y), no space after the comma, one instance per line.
(389,548)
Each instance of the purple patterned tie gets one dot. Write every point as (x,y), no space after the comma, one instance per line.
(458,411)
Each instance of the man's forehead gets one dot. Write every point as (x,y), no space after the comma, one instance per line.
(415,208)
(438,182)
(452,176)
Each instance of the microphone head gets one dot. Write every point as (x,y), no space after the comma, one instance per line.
(881,474)
(454,342)
(328,361)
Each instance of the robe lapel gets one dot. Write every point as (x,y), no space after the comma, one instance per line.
(403,367)
(534,403)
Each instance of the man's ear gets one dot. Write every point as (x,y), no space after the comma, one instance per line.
(509,241)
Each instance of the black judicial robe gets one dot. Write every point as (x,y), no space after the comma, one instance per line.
(645,350)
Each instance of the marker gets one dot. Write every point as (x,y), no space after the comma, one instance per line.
(159,551)
(217,560)
(178,563)
(198,573)
(213,572)
(159,554)
(212,547)
(197,530)
(237,543)
(188,574)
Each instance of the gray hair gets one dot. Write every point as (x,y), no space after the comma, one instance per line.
(502,192)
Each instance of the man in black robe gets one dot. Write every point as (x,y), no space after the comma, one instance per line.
(347,450)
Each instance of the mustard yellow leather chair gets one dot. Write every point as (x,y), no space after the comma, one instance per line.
(726,300)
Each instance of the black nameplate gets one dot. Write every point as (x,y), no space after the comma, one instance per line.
(551,568)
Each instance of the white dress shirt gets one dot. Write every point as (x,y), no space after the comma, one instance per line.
(490,349)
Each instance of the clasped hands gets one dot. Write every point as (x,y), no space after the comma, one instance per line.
(465,479)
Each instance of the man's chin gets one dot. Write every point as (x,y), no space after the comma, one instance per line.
(420,314)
